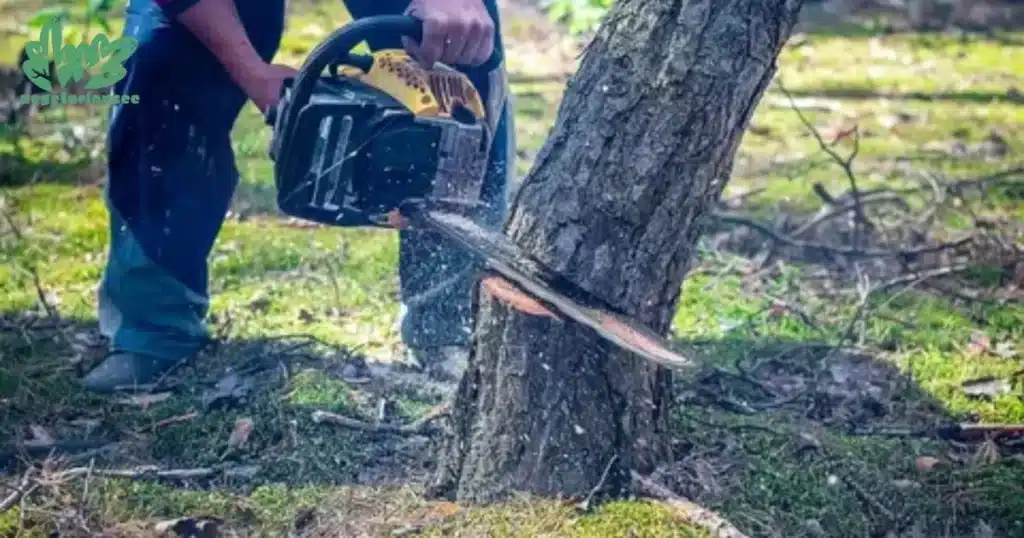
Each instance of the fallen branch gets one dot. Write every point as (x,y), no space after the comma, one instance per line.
(145,472)
(766,230)
(715,524)
(24,488)
(43,450)
(917,277)
(420,427)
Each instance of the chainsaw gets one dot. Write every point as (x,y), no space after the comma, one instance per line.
(378,140)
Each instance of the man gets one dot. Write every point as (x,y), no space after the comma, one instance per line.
(171,173)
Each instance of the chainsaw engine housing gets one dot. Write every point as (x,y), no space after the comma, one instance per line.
(373,136)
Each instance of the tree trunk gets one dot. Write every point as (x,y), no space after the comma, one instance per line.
(642,147)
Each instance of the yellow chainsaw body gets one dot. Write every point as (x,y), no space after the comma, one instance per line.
(434,92)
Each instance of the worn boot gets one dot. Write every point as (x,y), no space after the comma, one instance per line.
(123,370)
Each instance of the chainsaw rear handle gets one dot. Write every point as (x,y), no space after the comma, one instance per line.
(336,49)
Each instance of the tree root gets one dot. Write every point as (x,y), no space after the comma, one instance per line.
(715,524)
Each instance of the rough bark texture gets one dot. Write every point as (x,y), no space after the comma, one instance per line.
(643,144)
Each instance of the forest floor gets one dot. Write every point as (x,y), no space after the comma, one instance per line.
(836,351)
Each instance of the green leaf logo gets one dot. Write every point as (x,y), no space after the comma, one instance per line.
(49,58)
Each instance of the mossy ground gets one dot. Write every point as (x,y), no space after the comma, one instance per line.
(292,304)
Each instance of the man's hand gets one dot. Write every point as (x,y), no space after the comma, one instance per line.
(263,84)
(456,32)
(216,24)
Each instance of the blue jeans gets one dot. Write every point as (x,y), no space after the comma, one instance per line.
(171,177)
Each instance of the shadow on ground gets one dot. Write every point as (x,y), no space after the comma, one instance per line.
(186,421)
(778,434)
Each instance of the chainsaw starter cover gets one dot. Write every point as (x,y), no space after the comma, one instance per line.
(374,136)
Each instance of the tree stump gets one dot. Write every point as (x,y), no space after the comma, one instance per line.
(642,148)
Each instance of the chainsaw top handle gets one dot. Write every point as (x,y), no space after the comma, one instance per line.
(337,48)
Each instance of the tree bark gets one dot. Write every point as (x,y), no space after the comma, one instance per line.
(642,147)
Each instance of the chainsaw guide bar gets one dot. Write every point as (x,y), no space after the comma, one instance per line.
(539,284)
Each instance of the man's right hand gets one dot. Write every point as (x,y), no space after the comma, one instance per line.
(263,84)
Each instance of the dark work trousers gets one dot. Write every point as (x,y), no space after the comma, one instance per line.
(171,177)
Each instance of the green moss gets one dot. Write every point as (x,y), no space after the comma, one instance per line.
(634,518)
(314,389)
(129,500)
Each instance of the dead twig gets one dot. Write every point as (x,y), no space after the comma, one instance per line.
(826,214)
(584,506)
(916,277)
(177,419)
(864,293)
(845,163)
(51,311)
(419,427)
(697,515)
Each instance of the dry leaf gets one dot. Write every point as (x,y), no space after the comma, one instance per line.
(987,454)
(925,464)
(839,130)
(979,344)
(144,400)
(240,433)
(444,509)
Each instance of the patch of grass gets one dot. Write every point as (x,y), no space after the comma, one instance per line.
(911,96)
(639,518)
(786,476)
(313,389)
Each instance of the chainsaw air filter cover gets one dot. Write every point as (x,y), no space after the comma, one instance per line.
(348,153)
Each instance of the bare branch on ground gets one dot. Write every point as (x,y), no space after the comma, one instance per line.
(697,515)
(22,490)
(852,251)
(422,426)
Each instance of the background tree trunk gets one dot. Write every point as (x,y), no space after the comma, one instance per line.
(642,147)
